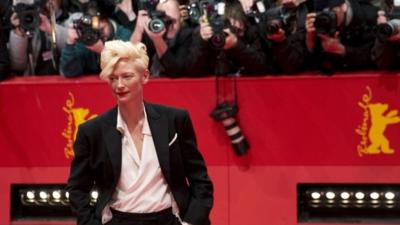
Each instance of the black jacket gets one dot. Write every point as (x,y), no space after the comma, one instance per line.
(98,161)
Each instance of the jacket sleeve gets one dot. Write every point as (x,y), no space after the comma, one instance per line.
(77,60)
(249,54)
(200,186)
(81,181)
(384,55)
(201,57)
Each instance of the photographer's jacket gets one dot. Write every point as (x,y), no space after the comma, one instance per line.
(358,38)
(98,155)
(247,56)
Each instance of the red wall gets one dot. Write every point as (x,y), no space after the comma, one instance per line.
(301,129)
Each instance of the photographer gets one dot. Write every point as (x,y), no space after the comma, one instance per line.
(234,48)
(172,41)
(33,48)
(386,51)
(85,40)
(288,41)
(340,34)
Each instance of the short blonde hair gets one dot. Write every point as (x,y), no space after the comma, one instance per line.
(116,49)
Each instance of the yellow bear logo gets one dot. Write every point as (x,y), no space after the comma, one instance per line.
(76,116)
(375,122)
(379,122)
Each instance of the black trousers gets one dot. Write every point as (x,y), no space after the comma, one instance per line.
(164,217)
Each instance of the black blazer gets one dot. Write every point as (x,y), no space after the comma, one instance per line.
(98,161)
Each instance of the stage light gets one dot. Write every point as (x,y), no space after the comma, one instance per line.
(56,196)
(341,203)
(374,195)
(345,195)
(330,195)
(43,195)
(360,195)
(390,195)
(30,195)
(67,195)
(315,195)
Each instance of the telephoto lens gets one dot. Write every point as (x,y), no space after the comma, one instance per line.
(225,113)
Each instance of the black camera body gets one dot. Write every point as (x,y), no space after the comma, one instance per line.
(87,28)
(225,113)
(390,28)
(158,19)
(326,22)
(28,15)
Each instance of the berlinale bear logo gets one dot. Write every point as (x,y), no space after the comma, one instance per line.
(76,116)
(375,122)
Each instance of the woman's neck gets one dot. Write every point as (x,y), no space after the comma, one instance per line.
(132,113)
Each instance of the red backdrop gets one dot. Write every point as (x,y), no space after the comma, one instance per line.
(301,129)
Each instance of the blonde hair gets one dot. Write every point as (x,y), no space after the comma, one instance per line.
(116,49)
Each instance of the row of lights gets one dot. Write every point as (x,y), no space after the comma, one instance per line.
(50,197)
(330,195)
(346,198)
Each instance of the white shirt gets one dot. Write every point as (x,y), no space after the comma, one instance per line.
(142,187)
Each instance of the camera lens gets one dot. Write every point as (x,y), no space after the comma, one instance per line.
(225,113)
(218,40)
(156,25)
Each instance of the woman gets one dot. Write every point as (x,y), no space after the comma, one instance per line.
(142,157)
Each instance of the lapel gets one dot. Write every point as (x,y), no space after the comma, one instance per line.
(158,124)
(113,141)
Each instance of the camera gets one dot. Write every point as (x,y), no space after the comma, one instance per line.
(215,17)
(195,11)
(88,30)
(158,19)
(28,15)
(218,24)
(278,18)
(391,27)
(225,113)
(326,22)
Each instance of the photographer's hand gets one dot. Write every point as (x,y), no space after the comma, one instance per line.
(277,37)
(141,23)
(183,10)
(206,31)
(332,44)
(72,35)
(126,7)
(16,23)
(246,5)
(310,34)
(230,39)
(45,25)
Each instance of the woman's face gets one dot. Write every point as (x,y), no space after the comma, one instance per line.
(127,81)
